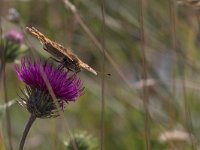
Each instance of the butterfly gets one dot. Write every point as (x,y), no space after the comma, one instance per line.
(67,58)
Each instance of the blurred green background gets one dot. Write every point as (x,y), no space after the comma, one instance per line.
(171,33)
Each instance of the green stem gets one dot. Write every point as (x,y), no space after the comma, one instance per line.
(26,130)
(8,120)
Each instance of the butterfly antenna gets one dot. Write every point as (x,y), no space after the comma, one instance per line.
(108,74)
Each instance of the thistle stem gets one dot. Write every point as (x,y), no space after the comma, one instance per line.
(26,130)
(8,119)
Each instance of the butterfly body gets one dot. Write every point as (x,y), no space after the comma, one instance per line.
(68,59)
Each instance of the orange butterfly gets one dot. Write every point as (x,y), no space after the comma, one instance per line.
(68,59)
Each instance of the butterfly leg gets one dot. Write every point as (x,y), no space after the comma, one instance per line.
(67,63)
(60,66)
(54,59)
(77,71)
(63,63)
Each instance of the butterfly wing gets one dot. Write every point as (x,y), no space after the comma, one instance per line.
(79,64)
(52,47)
(86,67)
(58,50)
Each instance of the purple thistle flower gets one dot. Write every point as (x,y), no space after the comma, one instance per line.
(66,87)
(15,36)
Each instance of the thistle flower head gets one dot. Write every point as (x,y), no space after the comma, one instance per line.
(14,36)
(81,141)
(11,46)
(66,87)
(13,15)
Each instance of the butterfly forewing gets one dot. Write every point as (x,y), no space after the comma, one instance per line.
(52,47)
(71,61)
(87,67)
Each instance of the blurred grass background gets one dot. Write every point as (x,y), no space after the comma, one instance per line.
(171,32)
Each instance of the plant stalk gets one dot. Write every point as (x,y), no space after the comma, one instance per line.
(26,130)
(8,120)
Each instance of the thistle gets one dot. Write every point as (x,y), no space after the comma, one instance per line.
(66,87)
(14,36)
(81,141)
(11,45)
(36,96)
(13,15)
(10,49)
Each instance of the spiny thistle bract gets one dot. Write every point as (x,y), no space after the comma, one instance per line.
(36,96)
